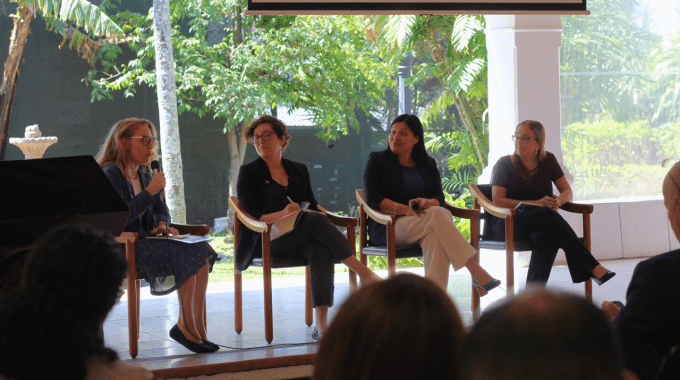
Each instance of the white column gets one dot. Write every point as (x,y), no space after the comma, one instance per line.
(524,80)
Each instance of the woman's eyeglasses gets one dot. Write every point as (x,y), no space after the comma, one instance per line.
(146,139)
(524,139)
(265,137)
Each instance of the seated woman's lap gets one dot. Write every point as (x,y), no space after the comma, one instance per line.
(314,233)
(410,230)
(531,223)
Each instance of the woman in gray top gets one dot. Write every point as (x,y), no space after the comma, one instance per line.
(528,175)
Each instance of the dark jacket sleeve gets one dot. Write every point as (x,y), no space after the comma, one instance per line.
(139,203)
(372,181)
(248,189)
(307,185)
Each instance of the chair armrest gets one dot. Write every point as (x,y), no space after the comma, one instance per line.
(580,208)
(465,213)
(246,219)
(339,220)
(194,229)
(489,206)
(125,237)
(378,216)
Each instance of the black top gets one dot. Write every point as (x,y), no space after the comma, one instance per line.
(414,184)
(535,187)
(151,208)
(259,195)
(383,179)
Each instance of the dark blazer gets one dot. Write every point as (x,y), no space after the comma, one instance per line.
(652,310)
(383,179)
(253,179)
(151,208)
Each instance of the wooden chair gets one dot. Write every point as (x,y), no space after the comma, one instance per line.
(134,283)
(392,252)
(482,196)
(267,262)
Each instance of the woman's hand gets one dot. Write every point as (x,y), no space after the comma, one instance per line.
(550,201)
(423,204)
(162,228)
(291,208)
(157,183)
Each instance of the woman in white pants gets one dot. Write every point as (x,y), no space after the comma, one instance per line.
(403,175)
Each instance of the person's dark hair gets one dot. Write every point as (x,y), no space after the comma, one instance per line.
(413,123)
(542,334)
(278,126)
(49,327)
(405,327)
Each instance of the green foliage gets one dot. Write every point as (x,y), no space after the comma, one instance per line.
(618,159)
(237,67)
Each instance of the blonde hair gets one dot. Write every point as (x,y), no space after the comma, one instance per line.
(112,151)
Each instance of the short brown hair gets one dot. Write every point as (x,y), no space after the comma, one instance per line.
(405,327)
(278,126)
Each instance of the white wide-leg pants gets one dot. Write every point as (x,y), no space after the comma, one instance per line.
(440,240)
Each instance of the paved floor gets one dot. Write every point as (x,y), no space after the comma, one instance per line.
(291,335)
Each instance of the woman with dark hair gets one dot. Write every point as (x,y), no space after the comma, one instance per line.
(271,187)
(71,281)
(405,327)
(528,175)
(167,265)
(403,175)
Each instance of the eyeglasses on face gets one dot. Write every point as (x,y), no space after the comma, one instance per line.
(524,139)
(265,137)
(146,139)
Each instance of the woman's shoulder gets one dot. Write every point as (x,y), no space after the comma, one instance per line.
(111,168)
(381,155)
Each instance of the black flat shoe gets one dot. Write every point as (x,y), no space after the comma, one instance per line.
(607,276)
(493,284)
(198,348)
(211,344)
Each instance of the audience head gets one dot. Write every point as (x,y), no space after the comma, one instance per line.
(51,324)
(542,334)
(413,123)
(538,132)
(116,146)
(278,126)
(671,197)
(404,327)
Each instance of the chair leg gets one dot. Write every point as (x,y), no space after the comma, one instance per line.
(589,290)
(238,301)
(268,318)
(138,285)
(308,297)
(510,272)
(133,322)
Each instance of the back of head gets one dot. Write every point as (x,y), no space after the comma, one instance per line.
(402,328)
(542,334)
(70,283)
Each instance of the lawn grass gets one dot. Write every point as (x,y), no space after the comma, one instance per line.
(223,270)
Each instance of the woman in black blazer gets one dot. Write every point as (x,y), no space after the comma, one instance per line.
(271,187)
(403,176)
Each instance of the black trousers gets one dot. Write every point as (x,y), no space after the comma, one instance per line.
(548,231)
(322,244)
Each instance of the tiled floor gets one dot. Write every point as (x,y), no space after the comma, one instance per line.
(291,335)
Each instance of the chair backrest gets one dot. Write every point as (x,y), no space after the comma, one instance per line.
(487,232)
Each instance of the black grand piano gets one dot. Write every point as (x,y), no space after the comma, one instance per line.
(39,195)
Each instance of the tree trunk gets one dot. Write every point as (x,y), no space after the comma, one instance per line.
(22,23)
(167,107)
(237,152)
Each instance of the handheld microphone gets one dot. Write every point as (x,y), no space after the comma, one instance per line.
(415,206)
(156,167)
